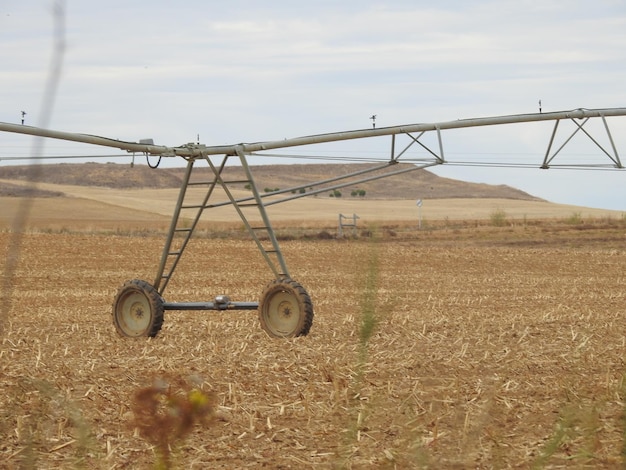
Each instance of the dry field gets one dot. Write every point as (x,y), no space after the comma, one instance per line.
(95,208)
(470,346)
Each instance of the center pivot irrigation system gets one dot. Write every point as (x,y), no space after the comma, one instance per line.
(285,308)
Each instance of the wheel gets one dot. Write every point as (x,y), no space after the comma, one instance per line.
(138,310)
(285,309)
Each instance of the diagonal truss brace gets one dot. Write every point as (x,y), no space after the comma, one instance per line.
(272,255)
(174,248)
(439,158)
(548,158)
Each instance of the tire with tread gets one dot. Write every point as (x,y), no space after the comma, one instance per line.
(138,310)
(285,309)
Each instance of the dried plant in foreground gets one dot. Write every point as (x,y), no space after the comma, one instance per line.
(166,411)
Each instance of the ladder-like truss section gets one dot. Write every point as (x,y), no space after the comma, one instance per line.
(251,211)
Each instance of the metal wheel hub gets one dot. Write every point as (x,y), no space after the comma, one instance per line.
(285,309)
(134,308)
(138,310)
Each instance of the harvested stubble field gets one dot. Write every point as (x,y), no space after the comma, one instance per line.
(492,347)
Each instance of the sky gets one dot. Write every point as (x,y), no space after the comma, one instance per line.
(247,71)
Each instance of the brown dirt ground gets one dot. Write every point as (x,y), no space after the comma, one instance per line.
(492,347)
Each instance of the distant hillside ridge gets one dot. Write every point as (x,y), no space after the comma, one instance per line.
(107,175)
(418,184)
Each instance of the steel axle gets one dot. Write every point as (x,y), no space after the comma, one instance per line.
(210,305)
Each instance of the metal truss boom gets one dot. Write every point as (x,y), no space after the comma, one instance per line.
(201,151)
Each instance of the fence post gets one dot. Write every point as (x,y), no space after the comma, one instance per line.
(343,224)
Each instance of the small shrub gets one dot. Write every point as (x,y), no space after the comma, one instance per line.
(498,218)
(165,413)
(574,219)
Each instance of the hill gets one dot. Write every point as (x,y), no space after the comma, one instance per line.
(411,185)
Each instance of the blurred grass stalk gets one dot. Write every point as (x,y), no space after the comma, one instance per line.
(45,114)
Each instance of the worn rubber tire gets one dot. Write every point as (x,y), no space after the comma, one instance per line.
(138,310)
(285,309)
